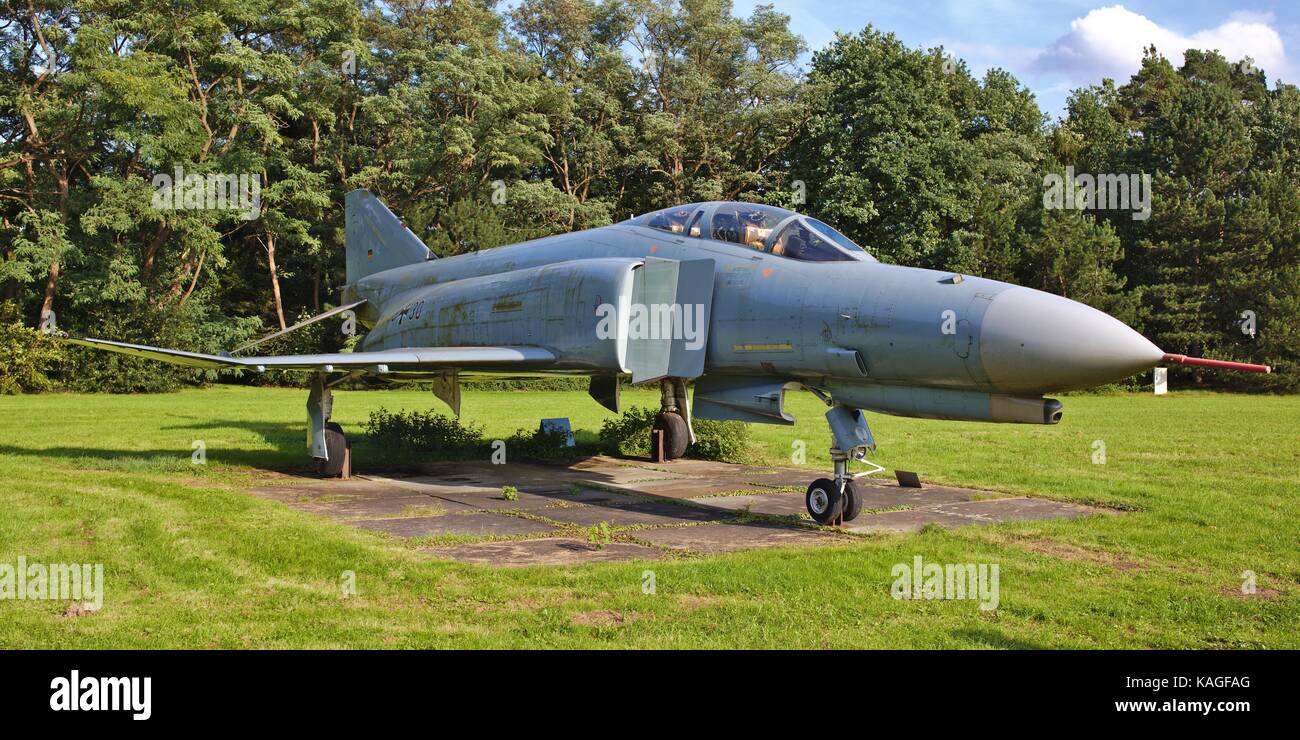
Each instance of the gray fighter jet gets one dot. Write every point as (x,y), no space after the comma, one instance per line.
(745,301)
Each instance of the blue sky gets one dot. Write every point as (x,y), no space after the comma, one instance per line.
(1054,47)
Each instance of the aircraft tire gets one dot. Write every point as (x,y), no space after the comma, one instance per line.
(824,501)
(336,443)
(676,437)
(852,500)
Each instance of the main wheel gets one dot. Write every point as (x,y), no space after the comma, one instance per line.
(676,438)
(337,445)
(852,500)
(824,501)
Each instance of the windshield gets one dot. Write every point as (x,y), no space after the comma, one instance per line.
(837,237)
(799,242)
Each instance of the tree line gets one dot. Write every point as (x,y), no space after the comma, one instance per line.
(482,127)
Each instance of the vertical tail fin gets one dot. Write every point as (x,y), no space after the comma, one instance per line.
(376,240)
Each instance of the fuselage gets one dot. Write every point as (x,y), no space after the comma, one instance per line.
(854,320)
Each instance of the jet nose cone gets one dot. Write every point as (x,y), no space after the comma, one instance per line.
(1031,341)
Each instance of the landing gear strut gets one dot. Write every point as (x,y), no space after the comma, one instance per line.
(839,499)
(674,418)
(330,449)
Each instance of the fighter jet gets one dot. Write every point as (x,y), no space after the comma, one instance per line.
(743,301)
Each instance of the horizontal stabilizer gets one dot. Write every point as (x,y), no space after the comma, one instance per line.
(415,358)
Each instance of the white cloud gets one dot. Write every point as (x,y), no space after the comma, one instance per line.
(1108,42)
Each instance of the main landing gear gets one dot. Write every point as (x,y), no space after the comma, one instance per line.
(674,418)
(839,499)
(330,449)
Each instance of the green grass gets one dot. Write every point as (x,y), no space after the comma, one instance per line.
(1209,486)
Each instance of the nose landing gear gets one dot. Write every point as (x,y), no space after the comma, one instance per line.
(839,499)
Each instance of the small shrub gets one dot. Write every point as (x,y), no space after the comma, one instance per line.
(510,493)
(539,445)
(629,434)
(600,535)
(560,383)
(422,430)
(725,441)
(25,355)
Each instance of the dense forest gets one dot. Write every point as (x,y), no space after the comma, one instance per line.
(482,126)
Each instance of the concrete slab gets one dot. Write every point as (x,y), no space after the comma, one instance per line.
(648,514)
(554,551)
(775,504)
(880,494)
(530,497)
(451,498)
(392,504)
(905,521)
(475,523)
(715,538)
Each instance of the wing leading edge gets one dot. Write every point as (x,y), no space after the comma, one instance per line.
(383,361)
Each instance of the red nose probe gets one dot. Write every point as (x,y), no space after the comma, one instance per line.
(1223,364)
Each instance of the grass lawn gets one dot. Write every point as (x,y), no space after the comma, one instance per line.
(1205,486)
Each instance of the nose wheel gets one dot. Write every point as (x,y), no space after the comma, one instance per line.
(834,503)
(839,499)
(825,501)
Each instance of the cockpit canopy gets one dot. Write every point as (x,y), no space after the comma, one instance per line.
(764,228)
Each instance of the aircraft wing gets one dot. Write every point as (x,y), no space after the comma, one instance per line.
(414,358)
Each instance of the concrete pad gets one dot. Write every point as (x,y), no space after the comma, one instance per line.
(394,504)
(480,499)
(879,494)
(626,493)
(653,514)
(690,487)
(470,490)
(475,523)
(309,489)
(587,496)
(714,538)
(905,521)
(775,504)
(555,551)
